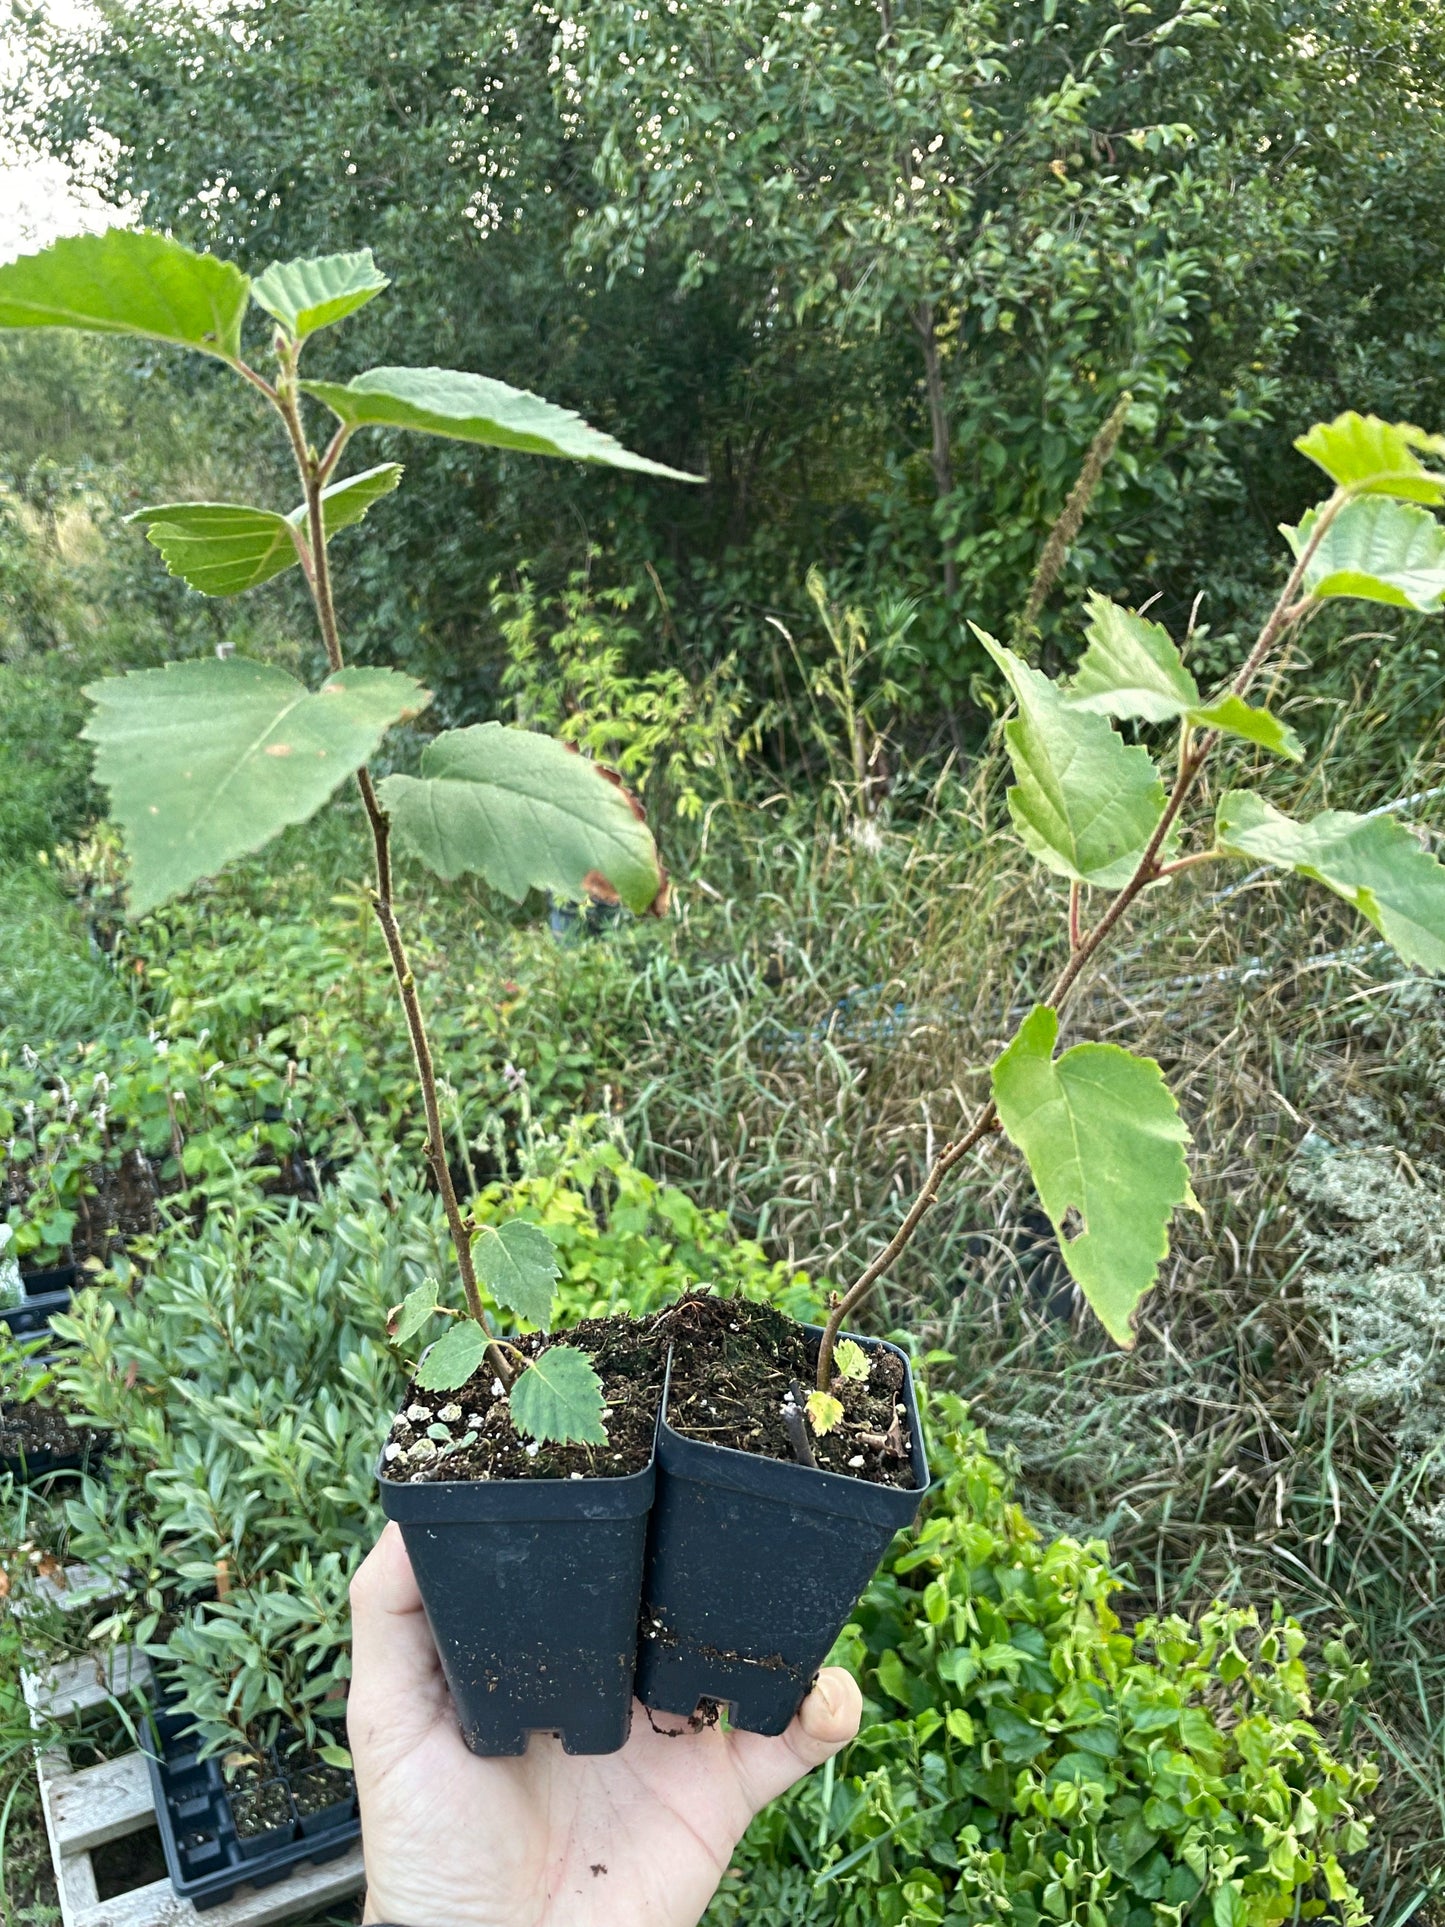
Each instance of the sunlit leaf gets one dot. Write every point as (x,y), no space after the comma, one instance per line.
(1104,1143)
(225,548)
(474,408)
(1373,862)
(517,1262)
(559,1397)
(1084,802)
(1132,669)
(525,812)
(1374,457)
(453,1358)
(1378,550)
(824,1412)
(850,1361)
(311,294)
(126,281)
(414,1311)
(206,761)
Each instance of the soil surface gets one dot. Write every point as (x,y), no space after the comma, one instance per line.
(320,1787)
(32,1428)
(257,1809)
(468,1434)
(738,1368)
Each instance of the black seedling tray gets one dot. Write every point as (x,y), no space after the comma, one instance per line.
(46,1292)
(205,1856)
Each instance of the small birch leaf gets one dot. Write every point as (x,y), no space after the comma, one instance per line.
(824,1412)
(412,1313)
(1379,551)
(1084,802)
(1373,862)
(453,1358)
(1103,1139)
(559,1397)
(310,294)
(850,1361)
(525,812)
(517,1262)
(1374,457)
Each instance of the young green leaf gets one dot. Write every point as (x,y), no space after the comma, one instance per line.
(559,1397)
(128,282)
(527,813)
(474,408)
(311,294)
(335,1756)
(453,1358)
(1084,801)
(1103,1139)
(1372,457)
(850,1361)
(824,1412)
(206,761)
(1378,550)
(414,1311)
(225,548)
(517,1262)
(1132,668)
(1373,862)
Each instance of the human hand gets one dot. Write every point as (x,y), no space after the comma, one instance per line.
(639,1838)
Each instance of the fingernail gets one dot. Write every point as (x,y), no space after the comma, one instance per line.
(826,1694)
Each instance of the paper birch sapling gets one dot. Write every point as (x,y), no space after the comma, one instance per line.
(1097,1126)
(207,761)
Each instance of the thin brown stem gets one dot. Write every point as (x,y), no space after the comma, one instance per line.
(1194,753)
(1076,899)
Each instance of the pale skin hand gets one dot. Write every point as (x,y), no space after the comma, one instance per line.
(639,1838)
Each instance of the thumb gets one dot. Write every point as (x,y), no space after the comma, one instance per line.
(397,1688)
(825,1723)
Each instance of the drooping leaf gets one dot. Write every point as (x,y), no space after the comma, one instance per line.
(526,813)
(453,1358)
(407,1318)
(128,282)
(1378,550)
(206,761)
(1103,1139)
(1373,862)
(1084,801)
(225,548)
(824,1412)
(1132,668)
(517,1262)
(310,294)
(474,408)
(559,1397)
(1374,457)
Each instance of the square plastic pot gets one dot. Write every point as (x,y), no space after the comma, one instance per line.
(46,1292)
(531,1589)
(754,1566)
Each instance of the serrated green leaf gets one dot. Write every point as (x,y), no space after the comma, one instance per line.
(517,1262)
(1084,801)
(1132,668)
(1373,457)
(1378,550)
(225,548)
(474,408)
(206,761)
(413,1312)
(559,1397)
(1373,862)
(824,1412)
(525,812)
(128,282)
(850,1361)
(1102,1137)
(453,1358)
(307,295)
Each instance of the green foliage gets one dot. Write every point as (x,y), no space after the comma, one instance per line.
(526,813)
(559,1396)
(127,283)
(307,295)
(1023,1756)
(453,1358)
(1378,549)
(516,1263)
(207,761)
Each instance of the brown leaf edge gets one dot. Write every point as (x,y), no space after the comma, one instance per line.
(599,887)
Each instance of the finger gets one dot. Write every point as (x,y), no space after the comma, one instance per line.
(395,1674)
(825,1723)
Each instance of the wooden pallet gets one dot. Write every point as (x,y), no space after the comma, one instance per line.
(86,1809)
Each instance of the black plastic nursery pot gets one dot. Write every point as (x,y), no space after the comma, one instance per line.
(46,1292)
(207,1854)
(531,1589)
(754,1566)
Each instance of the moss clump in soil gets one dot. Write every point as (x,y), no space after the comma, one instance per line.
(468,1434)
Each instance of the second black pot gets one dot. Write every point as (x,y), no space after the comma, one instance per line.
(753,1568)
(531,1589)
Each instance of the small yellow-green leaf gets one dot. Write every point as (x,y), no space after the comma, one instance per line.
(824,1412)
(1373,862)
(1373,457)
(1236,717)
(454,1357)
(311,294)
(1377,550)
(127,281)
(850,1361)
(1104,1143)
(559,1397)
(517,1262)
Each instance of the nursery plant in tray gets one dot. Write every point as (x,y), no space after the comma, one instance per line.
(718,1476)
